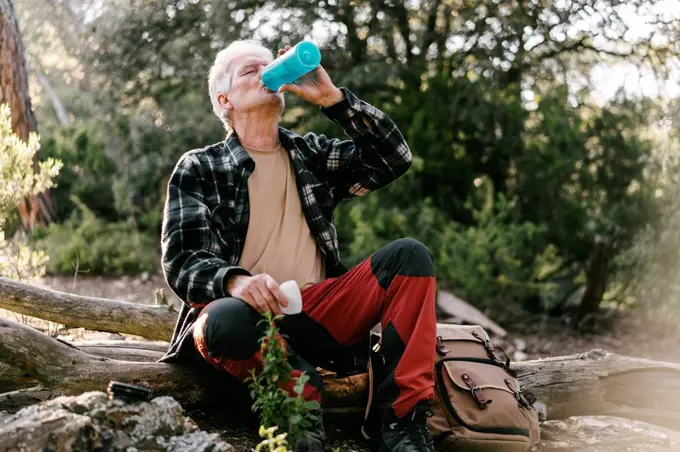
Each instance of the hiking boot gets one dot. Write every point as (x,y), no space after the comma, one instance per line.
(410,433)
(314,438)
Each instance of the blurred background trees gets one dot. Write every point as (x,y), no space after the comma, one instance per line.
(526,159)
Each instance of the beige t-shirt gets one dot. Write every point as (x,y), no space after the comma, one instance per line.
(278,241)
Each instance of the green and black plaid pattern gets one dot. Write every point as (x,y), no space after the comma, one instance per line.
(207,207)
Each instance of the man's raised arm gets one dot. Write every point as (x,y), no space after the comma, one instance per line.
(376,155)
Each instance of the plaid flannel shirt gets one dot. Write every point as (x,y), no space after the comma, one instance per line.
(207,206)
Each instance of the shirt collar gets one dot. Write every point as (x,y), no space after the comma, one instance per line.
(240,156)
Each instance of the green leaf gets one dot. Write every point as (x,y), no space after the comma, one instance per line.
(304,378)
(311,405)
(295,419)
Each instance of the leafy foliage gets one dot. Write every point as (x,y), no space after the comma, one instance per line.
(650,265)
(88,244)
(291,414)
(87,173)
(272,443)
(19,180)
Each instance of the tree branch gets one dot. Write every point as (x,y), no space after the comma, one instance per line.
(430,33)
(151,322)
(57,104)
(401,16)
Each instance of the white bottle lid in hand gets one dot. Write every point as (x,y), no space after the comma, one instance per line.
(292,292)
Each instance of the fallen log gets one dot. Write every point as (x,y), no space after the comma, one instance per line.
(100,314)
(12,378)
(66,370)
(592,383)
(14,400)
(453,309)
(141,351)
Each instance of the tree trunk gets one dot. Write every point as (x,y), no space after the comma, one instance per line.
(14,92)
(593,383)
(596,280)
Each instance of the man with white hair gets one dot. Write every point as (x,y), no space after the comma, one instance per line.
(255,210)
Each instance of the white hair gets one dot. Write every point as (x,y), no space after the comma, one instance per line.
(220,76)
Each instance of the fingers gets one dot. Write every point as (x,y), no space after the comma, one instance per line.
(263,293)
(290,88)
(264,282)
(284,50)
(259,302)
(276,291)
(272,303)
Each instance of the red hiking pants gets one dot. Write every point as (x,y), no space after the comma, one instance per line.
(395,286)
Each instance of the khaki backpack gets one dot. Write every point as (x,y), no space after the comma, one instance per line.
(478,404)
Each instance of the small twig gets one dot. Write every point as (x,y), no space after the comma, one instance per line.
(75,275)
(77,268)
(9,259)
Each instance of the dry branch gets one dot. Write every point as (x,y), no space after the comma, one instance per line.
(141,351)
(101,314)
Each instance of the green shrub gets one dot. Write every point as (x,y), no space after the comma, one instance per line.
(496,263)
(18,180)
(291,415)
(90,244)
(88,172)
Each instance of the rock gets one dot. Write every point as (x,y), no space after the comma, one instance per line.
(520,344)
(605,434)
(91,421)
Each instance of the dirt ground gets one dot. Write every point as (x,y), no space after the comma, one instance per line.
(529,338)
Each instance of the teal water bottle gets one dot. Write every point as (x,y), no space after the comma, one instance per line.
(292,65)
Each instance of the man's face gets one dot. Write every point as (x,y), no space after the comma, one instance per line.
(248,93)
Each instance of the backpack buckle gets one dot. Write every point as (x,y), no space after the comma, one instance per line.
(523,401)
(441,348)
(491,352)
(476,391)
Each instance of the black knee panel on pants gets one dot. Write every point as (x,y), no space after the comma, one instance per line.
(405,257)
(232,330)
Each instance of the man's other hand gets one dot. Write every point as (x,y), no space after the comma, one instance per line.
(315,87)
(259,291)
